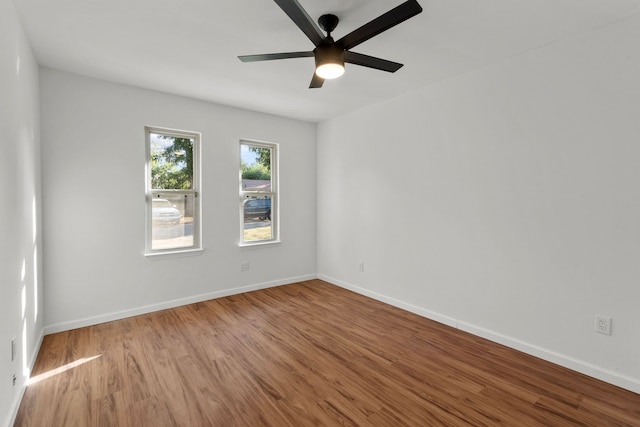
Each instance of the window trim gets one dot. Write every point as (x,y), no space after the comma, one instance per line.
(274,193)
(196,191)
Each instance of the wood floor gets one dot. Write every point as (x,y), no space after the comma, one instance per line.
(301,355)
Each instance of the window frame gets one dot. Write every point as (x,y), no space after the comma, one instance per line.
(195,191)
(274,193)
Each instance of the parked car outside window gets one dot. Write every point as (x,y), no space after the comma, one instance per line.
(257,208)
(163,213)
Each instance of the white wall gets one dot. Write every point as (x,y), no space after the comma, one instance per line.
(505,201)
(20,235)
(94,201)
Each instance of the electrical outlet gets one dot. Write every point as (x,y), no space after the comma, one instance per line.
(244,266)
(361,266)
(603,324)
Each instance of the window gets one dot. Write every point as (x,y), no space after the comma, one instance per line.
(173,202)
(258,193)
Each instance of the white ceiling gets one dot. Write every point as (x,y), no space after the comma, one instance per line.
(190,47)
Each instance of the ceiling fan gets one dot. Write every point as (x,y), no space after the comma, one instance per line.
(331,55)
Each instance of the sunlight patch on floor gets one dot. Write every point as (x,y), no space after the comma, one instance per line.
(61,369)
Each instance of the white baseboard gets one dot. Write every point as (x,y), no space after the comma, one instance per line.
(615,378)
(574,364)
(611,377)
(117,315)
(449,321)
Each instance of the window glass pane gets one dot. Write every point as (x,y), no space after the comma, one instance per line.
(172,221)
(171,162)
(256,168)
(258,192)
(257,218)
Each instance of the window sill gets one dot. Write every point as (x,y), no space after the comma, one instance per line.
(173,254)
(259,244)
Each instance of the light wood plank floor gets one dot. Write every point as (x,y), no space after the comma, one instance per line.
(304,354)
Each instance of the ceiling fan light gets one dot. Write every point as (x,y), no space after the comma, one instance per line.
(329,61)
(330,71)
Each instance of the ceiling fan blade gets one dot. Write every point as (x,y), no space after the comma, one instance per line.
(272,56)
(382,23)
(300,17)
(371,62)
(316,82)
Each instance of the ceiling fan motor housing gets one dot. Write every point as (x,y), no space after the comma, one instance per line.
(329,54)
